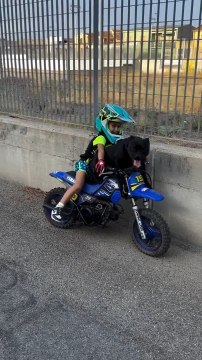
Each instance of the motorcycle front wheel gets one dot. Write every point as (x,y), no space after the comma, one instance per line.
(157,233)
(69,212)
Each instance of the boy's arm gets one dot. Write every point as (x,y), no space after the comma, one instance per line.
(100,166)
(101,152)
(100,141)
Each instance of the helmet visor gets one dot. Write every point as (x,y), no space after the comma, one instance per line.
(112,111)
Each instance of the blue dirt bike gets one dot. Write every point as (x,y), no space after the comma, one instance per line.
(98,204)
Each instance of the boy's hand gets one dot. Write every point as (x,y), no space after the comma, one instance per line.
(100,166)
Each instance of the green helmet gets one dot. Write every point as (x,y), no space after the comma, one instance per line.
(112,112)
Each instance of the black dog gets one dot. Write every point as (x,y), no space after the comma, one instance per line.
(124,154)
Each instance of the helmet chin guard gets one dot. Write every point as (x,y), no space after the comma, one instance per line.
(114,113)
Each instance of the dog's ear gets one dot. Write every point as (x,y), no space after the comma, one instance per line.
(127,141)
(133,139)
(146,143)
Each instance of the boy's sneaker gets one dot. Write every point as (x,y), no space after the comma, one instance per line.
(56,213)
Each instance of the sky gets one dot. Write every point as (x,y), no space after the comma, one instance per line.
(59,17)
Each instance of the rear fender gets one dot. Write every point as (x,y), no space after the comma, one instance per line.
(66,178)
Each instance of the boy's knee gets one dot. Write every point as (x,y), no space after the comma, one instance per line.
(77,188)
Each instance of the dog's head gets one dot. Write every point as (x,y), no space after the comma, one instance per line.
(138,149)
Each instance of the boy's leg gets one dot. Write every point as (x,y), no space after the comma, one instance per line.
(75,188)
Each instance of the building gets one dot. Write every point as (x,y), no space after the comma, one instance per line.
(196,44)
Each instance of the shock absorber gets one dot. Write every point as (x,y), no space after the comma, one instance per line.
(146,203)
(138,219)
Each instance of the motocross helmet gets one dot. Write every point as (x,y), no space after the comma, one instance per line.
(109,113)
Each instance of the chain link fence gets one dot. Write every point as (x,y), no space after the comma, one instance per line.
(61,60)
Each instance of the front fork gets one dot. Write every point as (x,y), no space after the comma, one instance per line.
(138,219)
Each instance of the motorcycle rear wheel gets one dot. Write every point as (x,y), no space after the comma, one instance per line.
(50,201)
(157,233)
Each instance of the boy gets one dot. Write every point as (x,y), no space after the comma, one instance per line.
(109,124)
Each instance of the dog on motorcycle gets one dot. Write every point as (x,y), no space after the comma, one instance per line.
(109,124)
(128,152)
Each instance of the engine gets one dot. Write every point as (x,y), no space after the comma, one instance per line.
(100,212)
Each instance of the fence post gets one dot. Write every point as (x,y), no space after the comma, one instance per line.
(95,57)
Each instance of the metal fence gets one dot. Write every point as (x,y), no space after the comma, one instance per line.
(62,59)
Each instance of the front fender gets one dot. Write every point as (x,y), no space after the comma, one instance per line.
(143,192)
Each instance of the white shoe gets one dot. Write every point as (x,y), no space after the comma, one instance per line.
(56,213)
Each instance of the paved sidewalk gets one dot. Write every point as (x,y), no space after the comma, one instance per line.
(88,293)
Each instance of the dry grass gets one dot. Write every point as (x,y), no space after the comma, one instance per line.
(162,93)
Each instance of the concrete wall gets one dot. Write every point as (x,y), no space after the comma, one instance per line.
(30,150)
(178,175)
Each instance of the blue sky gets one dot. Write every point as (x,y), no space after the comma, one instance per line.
(27,14)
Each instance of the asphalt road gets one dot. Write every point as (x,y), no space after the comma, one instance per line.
(88,293)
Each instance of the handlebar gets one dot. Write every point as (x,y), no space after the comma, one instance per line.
(114,171)
(127,171)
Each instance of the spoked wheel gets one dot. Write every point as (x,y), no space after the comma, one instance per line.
(68,214)
(157,233)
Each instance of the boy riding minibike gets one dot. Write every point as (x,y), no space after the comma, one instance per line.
(109,124)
